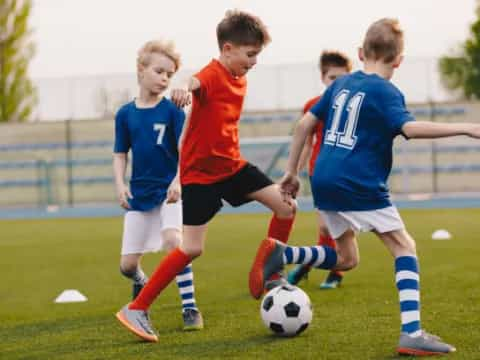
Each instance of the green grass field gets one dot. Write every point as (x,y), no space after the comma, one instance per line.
(39,259)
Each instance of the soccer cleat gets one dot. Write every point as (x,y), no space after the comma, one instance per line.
(423,345)
(298,273)
(137,321)
(192,319)
(332,281)
(268,261)
(276,279)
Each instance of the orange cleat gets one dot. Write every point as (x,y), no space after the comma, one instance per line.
(268,261)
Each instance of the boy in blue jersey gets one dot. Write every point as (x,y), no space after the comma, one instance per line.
(150,126)
(363,113)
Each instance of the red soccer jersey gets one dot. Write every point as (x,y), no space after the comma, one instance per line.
(318,135)
(211,149)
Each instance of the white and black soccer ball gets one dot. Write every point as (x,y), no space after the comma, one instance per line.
(286,310)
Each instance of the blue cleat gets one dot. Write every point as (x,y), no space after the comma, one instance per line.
(333,281)
(298,273)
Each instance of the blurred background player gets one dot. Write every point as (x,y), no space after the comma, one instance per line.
(150,127)
(211,165)
(332,64)
(364,112)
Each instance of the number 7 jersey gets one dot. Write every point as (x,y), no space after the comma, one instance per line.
(363,114)
(152,136)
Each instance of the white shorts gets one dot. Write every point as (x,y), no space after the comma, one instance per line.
(381,220)
(142,230)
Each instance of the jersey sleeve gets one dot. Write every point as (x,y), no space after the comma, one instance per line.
(321,107)
(206,76)
(396,112)
(122,138)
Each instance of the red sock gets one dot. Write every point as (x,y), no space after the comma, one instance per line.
(280,229)
(165,272)
(327,240)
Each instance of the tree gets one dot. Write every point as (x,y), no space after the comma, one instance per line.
(461,71)
(17,93)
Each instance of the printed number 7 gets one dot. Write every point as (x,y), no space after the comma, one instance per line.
(161,131)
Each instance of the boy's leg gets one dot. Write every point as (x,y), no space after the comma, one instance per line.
(130,268)
(134,240)
(192,317)
(334,277)
(135,315)
(273,255)
(413,340)
(280,228)
(191,247)
(283,212)
(281,222)
(172,219)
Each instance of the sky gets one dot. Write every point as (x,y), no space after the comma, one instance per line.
(96,37)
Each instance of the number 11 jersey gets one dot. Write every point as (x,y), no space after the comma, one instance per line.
(363,114)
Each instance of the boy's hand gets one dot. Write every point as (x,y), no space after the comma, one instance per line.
(475,131)
(289,186)
(124,194)
(181,97)
(174,192)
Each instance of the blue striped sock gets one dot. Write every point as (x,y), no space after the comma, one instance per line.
(322,257)
(185,286)
(407,279)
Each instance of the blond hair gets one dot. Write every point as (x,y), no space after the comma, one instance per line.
(383,41)
(242,28)
(166,48)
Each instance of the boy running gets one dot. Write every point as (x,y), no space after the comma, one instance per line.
(211,166)
(364,112)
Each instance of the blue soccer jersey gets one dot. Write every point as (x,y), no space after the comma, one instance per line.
(363,114)
(152,134)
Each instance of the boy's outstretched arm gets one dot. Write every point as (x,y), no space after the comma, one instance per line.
(432,130)
(182,96)
(290,184)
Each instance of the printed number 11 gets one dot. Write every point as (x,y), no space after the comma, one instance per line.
(346,138)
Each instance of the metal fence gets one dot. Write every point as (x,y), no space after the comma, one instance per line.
(69,162)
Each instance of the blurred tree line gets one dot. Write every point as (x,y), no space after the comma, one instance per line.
(461,70)
(17,93)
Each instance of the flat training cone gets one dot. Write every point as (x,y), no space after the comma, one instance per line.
(441,235)
(69,296)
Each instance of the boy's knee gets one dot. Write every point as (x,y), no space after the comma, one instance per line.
(172,240)
(192,251)
(347,262)
(287,211)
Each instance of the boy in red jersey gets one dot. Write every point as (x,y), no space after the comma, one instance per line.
(212,168)
(332,64)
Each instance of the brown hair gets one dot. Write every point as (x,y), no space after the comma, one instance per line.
(332,58)
(166,48)
(241,28)
(383,41)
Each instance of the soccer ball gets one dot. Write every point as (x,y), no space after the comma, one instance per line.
(286,310)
